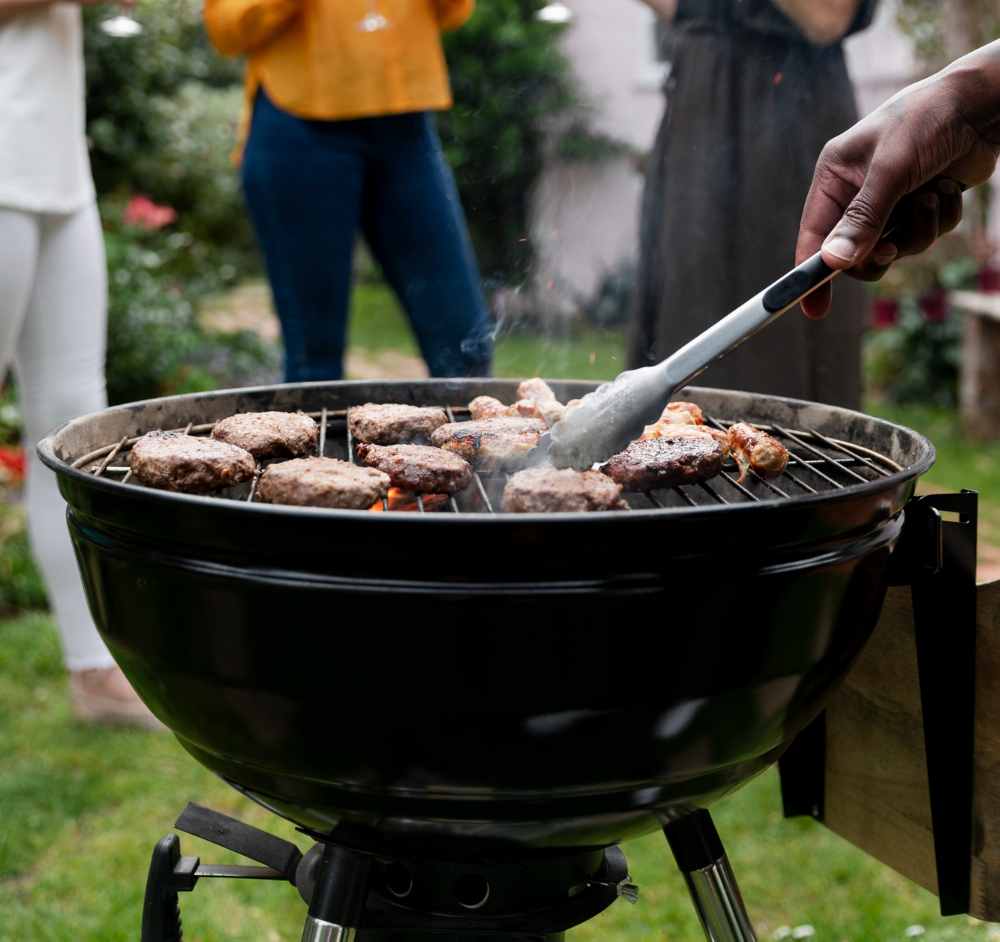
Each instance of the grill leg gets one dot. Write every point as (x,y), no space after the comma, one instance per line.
(702,859)
(338,899)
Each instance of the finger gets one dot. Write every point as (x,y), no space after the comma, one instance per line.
(877,264)
(950,213)
(857,233)
(919,223)
(817,304)
(828,197)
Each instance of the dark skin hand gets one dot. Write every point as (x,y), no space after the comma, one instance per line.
(909,159)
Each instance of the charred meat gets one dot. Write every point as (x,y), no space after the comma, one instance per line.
(419,469)
(757,451)
(491,444)
(547,490)
(673,430)
(665,462)
(392,423)
(268,435)
(322,482)
(173,461)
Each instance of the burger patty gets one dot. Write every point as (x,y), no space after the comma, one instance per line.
(419,469)
(322,482)
(547,490)
(173,461)
(392,423)
(490,444)
(665,462)
(269,434)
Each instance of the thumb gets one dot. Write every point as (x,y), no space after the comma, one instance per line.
(859,229)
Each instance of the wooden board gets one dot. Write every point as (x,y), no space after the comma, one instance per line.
(876,776)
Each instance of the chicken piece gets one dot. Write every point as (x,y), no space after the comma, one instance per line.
(756,451)
(486,407)
(526,409)
(682,413)
(536,389)
(491,444)
(547,490)
(665,462)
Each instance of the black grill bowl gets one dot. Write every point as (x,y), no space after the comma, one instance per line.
(542,681)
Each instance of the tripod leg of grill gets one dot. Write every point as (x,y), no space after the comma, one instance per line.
(338,900)
(702,859)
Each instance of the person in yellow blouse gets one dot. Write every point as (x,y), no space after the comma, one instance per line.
(341,139)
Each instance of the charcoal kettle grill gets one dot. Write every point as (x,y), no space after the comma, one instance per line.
(468,711)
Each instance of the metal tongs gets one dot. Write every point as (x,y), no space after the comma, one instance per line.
(614,414)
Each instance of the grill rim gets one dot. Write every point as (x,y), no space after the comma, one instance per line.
(851,492)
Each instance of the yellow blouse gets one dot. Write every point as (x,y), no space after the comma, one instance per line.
(315,61)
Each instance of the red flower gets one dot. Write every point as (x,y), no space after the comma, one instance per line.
(885,312)
(144,213)
(12,463)
(989,278)
(934,304)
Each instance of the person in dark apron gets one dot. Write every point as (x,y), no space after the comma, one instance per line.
(750,101)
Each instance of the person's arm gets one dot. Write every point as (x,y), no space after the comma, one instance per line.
(664,8)
(453,13)
(237,27)
(823,22)
(910,157)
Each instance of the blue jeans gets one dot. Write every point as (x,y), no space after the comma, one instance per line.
(311,185)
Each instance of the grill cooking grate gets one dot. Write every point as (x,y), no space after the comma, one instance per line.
(818,465)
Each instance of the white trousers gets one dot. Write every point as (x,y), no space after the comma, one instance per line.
(53,322)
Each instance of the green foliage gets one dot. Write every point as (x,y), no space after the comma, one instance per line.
(125,76)
(916,361)
(155,345)
(191,168)
(511,84)
(21,586)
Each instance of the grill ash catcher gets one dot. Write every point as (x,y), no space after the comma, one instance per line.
(516,740)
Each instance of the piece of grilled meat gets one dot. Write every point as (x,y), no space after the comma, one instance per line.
(682,413)
(419,469)
(665,462)
(536,389)
(392,423)
(548,490)
(486,407)
(757,451)
(674,430)
(322,482)
(269,435)
(173,461)
(491,444)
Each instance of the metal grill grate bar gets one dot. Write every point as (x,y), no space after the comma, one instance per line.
(846,458)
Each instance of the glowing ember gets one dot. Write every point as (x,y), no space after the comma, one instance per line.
(401,500)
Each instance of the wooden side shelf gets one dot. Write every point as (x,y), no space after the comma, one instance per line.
(875,791)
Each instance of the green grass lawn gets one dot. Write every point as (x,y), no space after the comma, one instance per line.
(81,809)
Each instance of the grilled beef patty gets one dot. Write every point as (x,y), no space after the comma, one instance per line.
(322,482)
(419,469)
(547,490)
(392,423)
(173,461)
(269,434)
(491,443)
(665,462)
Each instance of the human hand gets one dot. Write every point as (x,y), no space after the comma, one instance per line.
(910,158)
